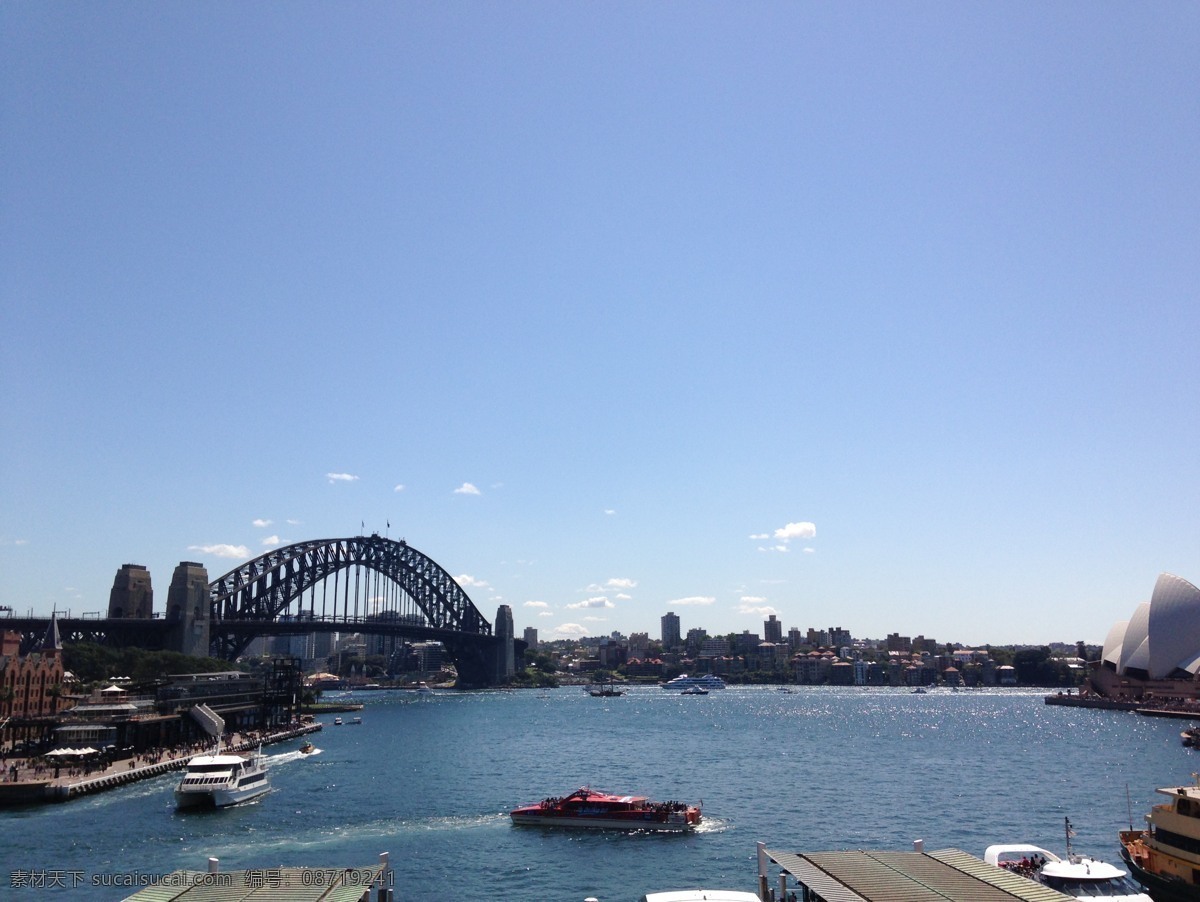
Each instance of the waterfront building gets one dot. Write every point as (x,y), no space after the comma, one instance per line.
(31,686)
(1155,654)
(772,630)
(746,643)
(716,646)
(670,631)
(530,636)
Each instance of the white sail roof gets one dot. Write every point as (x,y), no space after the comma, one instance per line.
(1174,626)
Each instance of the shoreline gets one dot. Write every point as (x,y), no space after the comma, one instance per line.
(42,790)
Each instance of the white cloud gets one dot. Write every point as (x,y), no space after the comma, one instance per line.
(771,548)
(621,596)
(271,541)
(809,550)
(232,551)
(594,620)
(751,599)
(467,489)
(609,511)
(294,522)
(746,606)
(399,487)
(261,523)
(692,600)
(597,602)
(569,630)
(796,531)
(340,477)
(536,604)
(545,613)
(467,580)
(760,536)
(621,583)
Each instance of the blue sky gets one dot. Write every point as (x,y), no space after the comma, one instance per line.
(872,315)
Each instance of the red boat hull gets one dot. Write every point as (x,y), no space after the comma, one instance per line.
(598,810)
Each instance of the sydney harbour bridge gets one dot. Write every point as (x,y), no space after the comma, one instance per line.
(364,584)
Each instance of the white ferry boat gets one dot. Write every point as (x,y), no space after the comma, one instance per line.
(216,781)
(1076,875)
(683,681)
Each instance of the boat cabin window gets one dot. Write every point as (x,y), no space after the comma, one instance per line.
(1187,807)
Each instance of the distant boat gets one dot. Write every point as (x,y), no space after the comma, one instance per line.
(707,681)
(307,748)
(605,689)
(355,719)
(423,689)
(337,721)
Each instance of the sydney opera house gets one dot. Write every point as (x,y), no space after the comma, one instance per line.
(1155,654)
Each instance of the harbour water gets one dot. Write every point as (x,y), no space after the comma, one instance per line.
(430,780)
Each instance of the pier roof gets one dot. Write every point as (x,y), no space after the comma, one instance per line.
(949,874)
(293,884)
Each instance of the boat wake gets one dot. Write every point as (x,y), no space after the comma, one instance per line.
(288,757)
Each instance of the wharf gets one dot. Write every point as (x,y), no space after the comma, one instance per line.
(126,771)
(271,884)
(1141,706)
(916,876)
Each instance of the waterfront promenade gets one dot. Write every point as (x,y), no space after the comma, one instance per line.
(31,781)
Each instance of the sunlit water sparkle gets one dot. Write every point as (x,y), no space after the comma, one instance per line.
(431,781)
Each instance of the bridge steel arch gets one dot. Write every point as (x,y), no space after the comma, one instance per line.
(420,599)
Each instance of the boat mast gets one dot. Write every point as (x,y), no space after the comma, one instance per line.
(1070,833)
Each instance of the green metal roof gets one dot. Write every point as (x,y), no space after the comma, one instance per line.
(945,876)
(264,885)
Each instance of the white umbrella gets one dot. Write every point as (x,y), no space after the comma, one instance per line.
(58,753)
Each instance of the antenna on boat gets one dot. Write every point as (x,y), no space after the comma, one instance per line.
(1070,833)
(1129,807)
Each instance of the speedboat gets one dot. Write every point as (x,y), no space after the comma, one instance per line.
(217,781)
(589,808)
(337,721)
(1076,875)
(707,681)
(1164,855)
(307,748)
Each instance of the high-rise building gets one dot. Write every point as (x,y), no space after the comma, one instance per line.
(670,631)
(530,636)
(772,630)
(506,665)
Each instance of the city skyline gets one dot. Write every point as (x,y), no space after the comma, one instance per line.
(881,310)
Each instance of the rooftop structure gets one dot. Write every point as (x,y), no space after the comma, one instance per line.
(862,876)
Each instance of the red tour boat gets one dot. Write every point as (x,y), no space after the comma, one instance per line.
(589,808)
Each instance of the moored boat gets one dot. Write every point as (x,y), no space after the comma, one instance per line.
(1076,875)
(217,781)
(1165,856)
(600,810)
